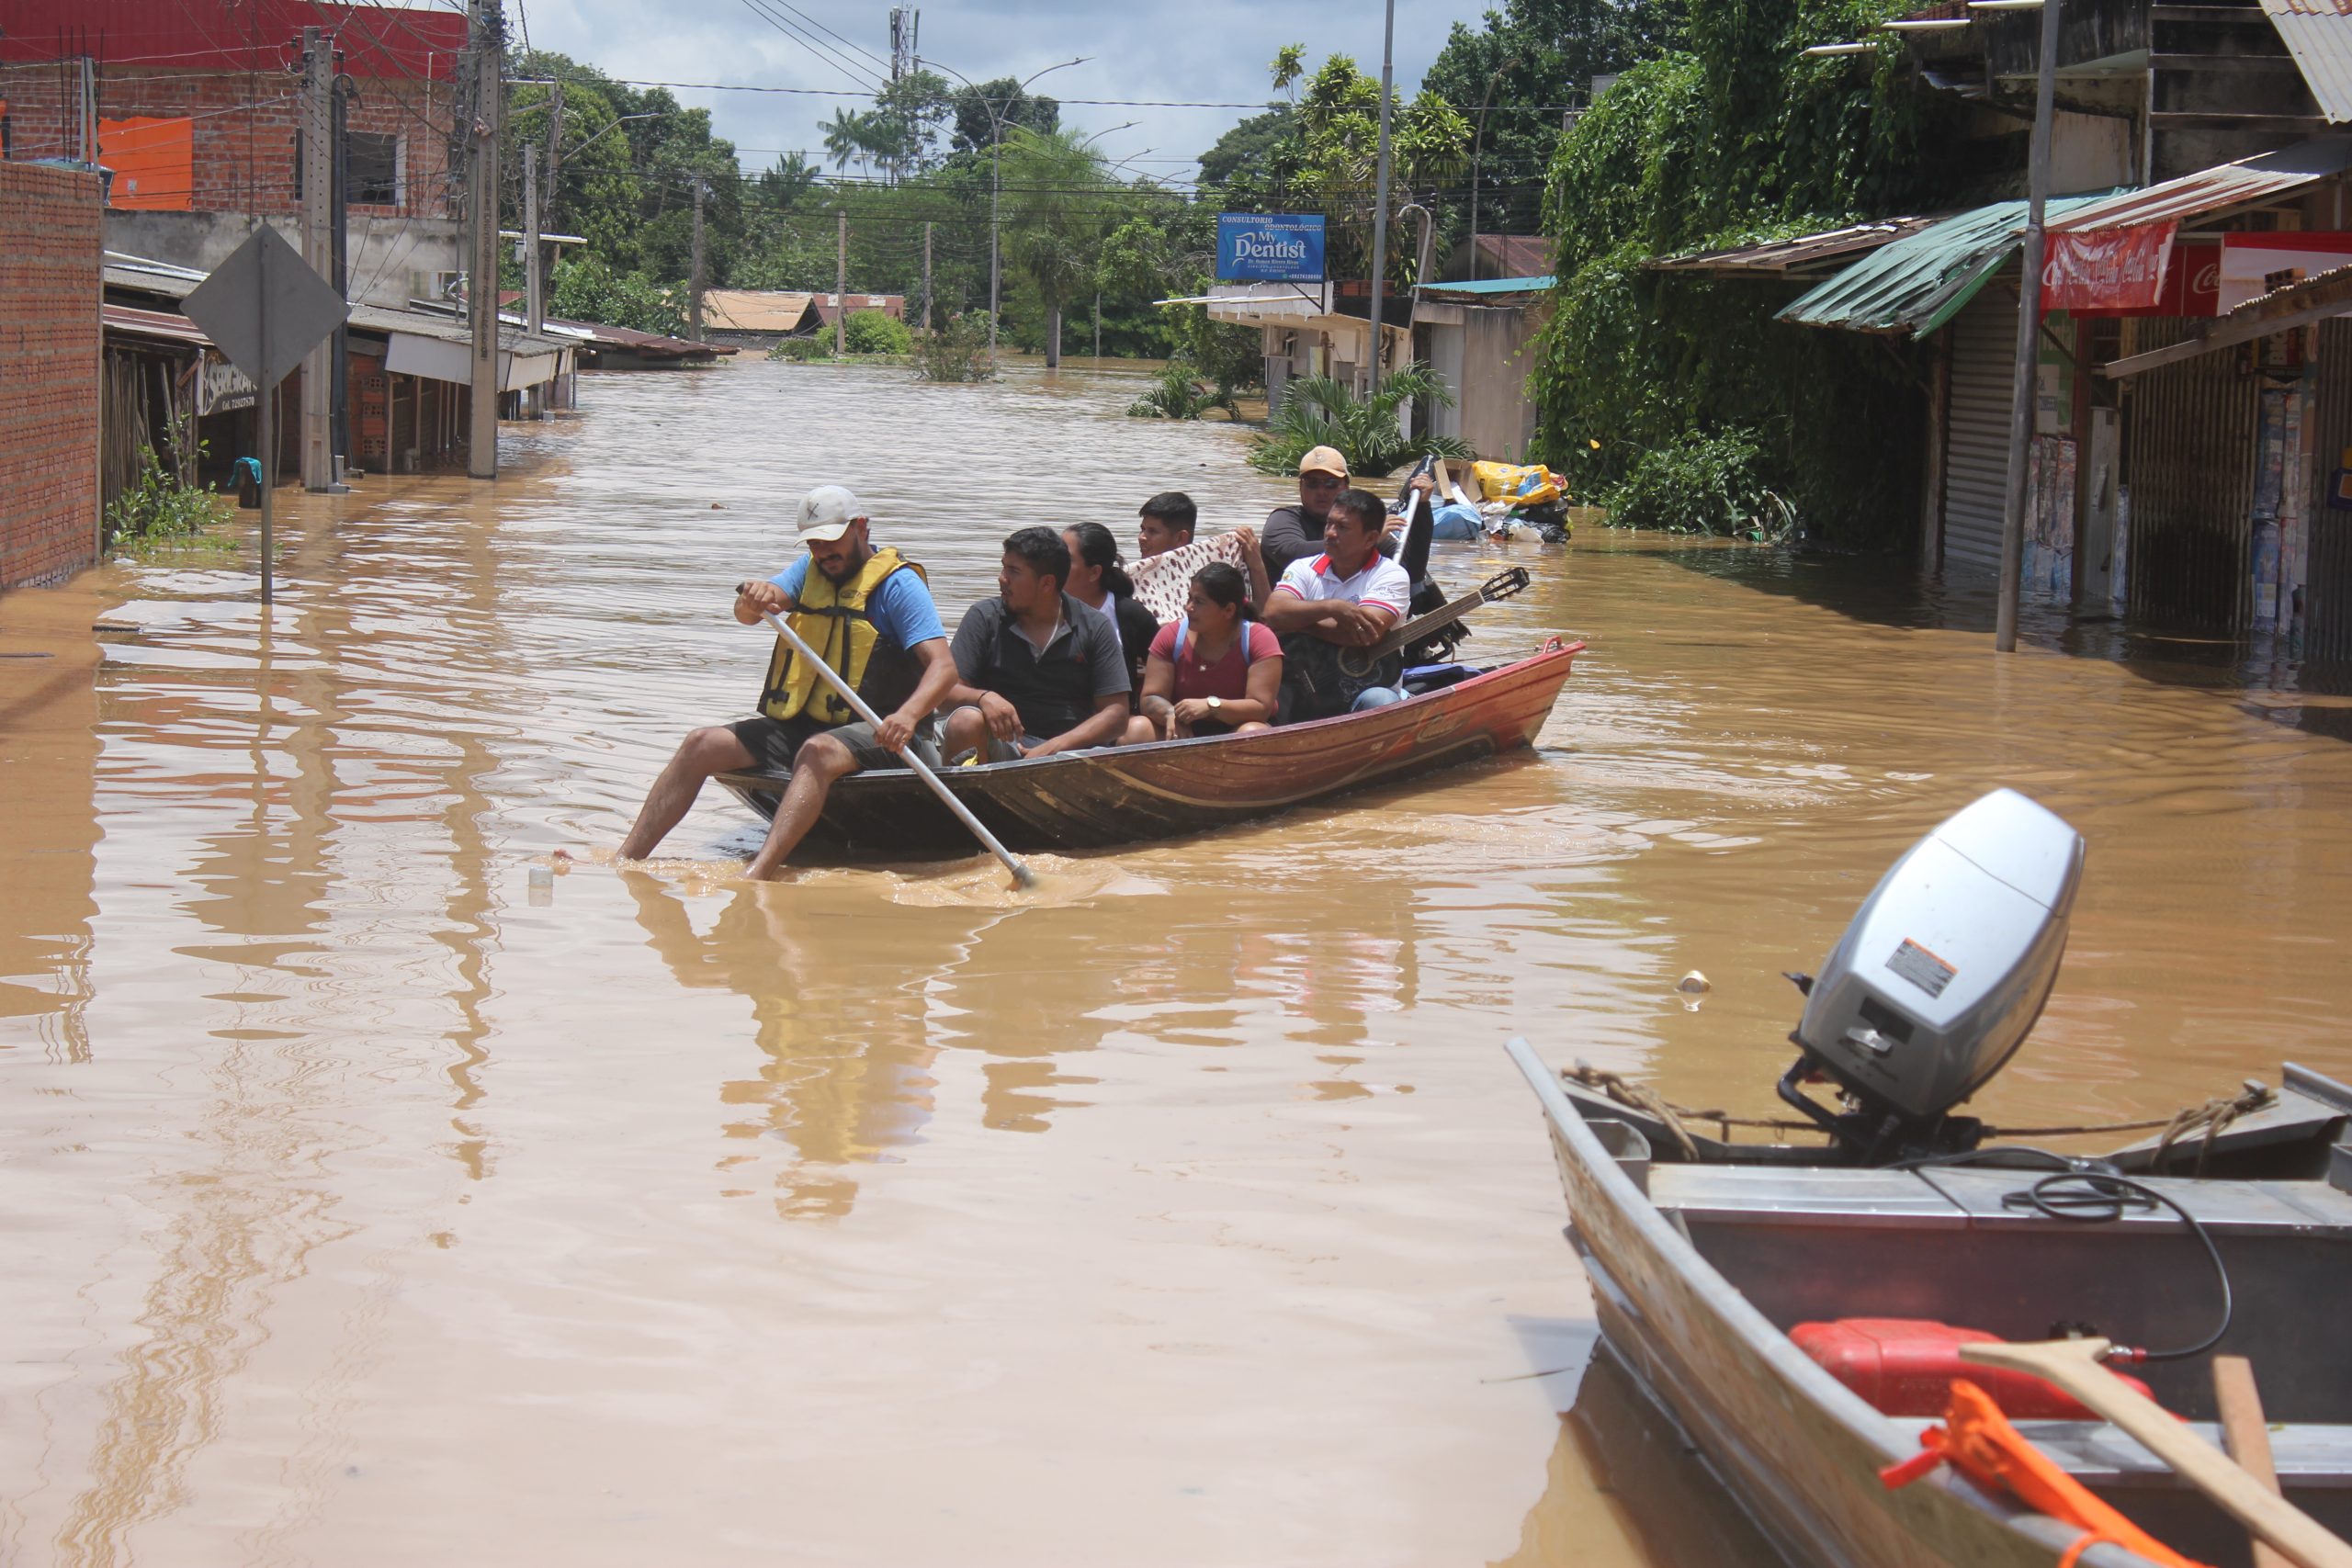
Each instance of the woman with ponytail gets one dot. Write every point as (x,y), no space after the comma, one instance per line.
(1097,580)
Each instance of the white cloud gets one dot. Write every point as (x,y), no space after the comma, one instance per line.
(1214,50)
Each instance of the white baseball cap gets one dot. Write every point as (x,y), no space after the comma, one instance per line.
(826,514)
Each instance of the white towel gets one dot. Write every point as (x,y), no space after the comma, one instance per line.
(1161,581)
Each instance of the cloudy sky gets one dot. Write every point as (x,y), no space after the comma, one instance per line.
(1159,50)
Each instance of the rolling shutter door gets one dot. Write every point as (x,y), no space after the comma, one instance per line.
(1976,451)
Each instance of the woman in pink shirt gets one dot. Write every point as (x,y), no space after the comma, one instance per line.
(1215,670)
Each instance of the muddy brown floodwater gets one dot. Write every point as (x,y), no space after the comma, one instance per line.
(362,1211)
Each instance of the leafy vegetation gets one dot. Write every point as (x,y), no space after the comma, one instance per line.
(1732,136)
(875,331)
(588,291)
(1179,393)
(1700,484)
(1317,411)
(163,507)
(802,350)
(956,352)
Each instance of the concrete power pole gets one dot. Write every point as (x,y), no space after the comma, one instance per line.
(841,286)
(487,43)
(1380,196)
(694,289)
(318,249)
(534,404)
(2021,409)
(926,277)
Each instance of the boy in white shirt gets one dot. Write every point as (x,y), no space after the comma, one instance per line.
(1328,608)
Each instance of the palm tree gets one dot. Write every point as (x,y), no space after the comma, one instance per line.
(1056,190)
(1317,411)
(849,137)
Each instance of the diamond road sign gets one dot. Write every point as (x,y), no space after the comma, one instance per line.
(265,308)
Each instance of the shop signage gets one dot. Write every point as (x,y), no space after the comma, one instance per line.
(220,386)
(2254,264)
(2191,286)
(1270,247)
(2107,269)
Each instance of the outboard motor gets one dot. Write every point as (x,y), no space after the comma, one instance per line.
(1938,981)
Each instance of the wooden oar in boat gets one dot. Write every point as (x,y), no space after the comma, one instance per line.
(2074,1366)
(2247,1437)
(1022,876)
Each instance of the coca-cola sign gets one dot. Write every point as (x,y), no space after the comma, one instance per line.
(2107,269)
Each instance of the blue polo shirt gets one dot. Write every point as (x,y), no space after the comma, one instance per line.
(901,608)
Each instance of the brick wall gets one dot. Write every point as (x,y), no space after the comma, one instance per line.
(244,127)
(51,229)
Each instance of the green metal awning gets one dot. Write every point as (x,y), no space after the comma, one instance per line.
(1917,284)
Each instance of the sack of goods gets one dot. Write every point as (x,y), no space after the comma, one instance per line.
(1525,484)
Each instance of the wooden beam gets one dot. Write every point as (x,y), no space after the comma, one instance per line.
(2288,309)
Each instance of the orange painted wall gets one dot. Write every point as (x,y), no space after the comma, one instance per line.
(154,162)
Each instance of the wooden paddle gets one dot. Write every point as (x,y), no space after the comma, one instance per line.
(2247,1435)
(2074,1365)
(1022,876)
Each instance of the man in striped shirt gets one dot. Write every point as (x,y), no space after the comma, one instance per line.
(1331,607)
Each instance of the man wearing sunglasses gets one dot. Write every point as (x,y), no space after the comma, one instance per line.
(1295,531)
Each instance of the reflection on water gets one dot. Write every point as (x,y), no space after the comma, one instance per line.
(369,1203)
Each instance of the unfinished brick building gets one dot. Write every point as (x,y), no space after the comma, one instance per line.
(49,226)
(192,104)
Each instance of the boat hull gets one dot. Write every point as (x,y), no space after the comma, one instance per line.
(1800,1451)
(1125,795)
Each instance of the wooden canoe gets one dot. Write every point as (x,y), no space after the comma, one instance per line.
(1699,1266)
(1126,794)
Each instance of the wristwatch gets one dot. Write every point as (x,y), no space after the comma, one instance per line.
(1215,703)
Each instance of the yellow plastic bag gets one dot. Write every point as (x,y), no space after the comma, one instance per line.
(1522,484)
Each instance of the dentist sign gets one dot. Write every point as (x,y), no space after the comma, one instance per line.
(1260,247)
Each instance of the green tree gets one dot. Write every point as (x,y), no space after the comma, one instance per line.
(1737,136)
(1057,200)
(1330,166)
(1524,62)
(1014,109)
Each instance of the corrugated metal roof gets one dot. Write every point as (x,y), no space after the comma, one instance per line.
(2293,304)
(153,324)
(1917,282)
(630,338)
(2319,35)
(1487,287)
(1806,254)
(753,309)
(179,282)
(2212,190)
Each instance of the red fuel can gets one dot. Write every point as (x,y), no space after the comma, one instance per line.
(1905,1366)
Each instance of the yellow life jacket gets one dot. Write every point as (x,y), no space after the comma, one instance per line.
(833,619)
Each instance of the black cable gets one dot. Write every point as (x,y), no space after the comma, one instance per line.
(2098,1197)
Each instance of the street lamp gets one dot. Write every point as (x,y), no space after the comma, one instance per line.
(996,175)
(1476,147)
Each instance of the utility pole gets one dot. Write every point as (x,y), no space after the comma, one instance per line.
(487,43)
(841,284)
(1380,189)
(926,277)
(694,289)
(2021,420)
(339,233)
(318,250)
(534,404)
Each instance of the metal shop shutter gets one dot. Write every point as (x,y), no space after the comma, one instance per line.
(1976,449)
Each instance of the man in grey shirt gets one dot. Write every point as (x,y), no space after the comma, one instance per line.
(1039,673)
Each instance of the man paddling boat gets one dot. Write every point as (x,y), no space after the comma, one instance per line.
(869,613)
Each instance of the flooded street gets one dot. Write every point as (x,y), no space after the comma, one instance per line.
(363,1211)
